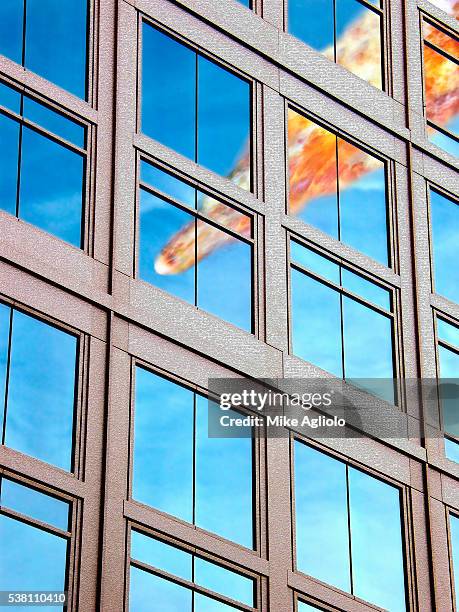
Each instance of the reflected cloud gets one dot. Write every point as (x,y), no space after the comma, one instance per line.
(312,148)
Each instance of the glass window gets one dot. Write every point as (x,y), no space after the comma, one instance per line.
(336,316)
(304,607)
(180,470)
(337,187)
(195,247)
(441,86)
(52,42)
(444,215)
(454,532)
(149,554)
(33,555)
(346,31)
(213,104)
(348,529)
(42,166)
(38,364)
(448,368)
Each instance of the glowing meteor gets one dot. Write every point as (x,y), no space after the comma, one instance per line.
(311,148)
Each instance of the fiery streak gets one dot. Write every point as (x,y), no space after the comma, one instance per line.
(312,148)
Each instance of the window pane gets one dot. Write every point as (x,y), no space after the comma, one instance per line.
(55,45)
(34,503)
(441,84)
(445,230)
(4,339)
(454,528)
(358,40)
(452,450)
(304,607)
(11,23)
(54,122)
(449,363)
(366,289)
(41,391)
(168,91)
(315,262)
(51,193)
(163,448)
(362,201)
(168,184)
(449,368)
(223,117)
(206,604)
(322,544)
(226,215)
(161,595)
(364,327)
(377,552)
(224,279)
(223,581)
(313,173)
(448,333)
(10,98)
(223,481)
(316,314)
(9,137)
(167,247)
(319,164)
(312,22)
(161,555)
(31,559)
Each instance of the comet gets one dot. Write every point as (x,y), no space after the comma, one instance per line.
(311,148)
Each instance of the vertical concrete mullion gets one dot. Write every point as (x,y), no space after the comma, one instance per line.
(277,450)
(272,11)
(276,302)
(125,158)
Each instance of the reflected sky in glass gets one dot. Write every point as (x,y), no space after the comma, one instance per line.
(444,213)
(55,39)
(446,142)
(51,190)
(31,558)
(208,491)
(35,504)
(50,175)
(163,448)
(449,368)
(322,545)
(333,330)
(5,313)
(165,595)
(338,187)
(452,450)
(304,607)
(223,480)
(447,332)
(171,240)
(161,555)
(376,542)
(213,104)
(325,525)
(326,25)
(41,386)
(316,320)
(224,581)
(162,595)
(9,137)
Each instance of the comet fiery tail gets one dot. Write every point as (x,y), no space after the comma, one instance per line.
(311,148)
